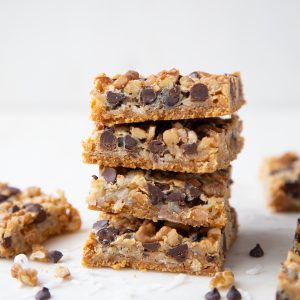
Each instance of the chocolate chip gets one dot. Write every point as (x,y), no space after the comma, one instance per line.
(130,142)
(7,242)
(95,177)
(233,294)
(43,294)
(148,95)
(194,75)
(201,135)
(199,92)
(162,186)
(15,208)
(297,237)
(156,147)
(110,175)
(54,256)
(120,141)
(107,235)
(38,210)
(7,192)
(172,96)
(108,140)
(115,99)
(257,251)
(176,197)
(190,149)
(292,189)
(179,252)
(192,191)
(198,236)
(151,246)
(213,295)
(100,224)
(132,75)
(210,258)
(155,194)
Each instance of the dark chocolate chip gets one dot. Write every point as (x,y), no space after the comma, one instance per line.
(172,97)
(292,189)
(179,252)
(108,140)
(95,177)
(110,175)
(7,242)
(148,95)
(201,135)
(7,192)
(130,142)
(155,194)
(120,141)
(210,258)
(233,294)
(213,295)
(156,147)
(100,224)
(297,237)
(151,246)
(199,92)
(176,197)
(198,236)
(192,191)
(162,186)
(190,149)
(132,75)
(15,208)
(257,251)
(194,75)
(107,235)
(37,209)
(115,99)
(43,294)
(54,256)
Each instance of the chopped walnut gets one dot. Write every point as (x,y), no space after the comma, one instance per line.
(138,133)
(62,272)
(222,280)
(25,275)
(121,82)
(133,88)
(101,82)
(147,233)
(39,253)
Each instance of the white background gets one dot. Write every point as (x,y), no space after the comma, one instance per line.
(50,52)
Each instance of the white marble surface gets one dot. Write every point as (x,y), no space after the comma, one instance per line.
(43,148)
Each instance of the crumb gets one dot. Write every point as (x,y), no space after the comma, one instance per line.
(25,275)
(39,253)
(223,279)
(62,272)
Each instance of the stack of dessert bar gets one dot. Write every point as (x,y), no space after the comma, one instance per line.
(164,145)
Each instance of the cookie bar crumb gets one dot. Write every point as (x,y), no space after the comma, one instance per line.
(62,272)
(26,276)
(39,253)
(223,279)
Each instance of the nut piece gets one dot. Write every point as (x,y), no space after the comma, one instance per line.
(222,280)
(101,82)
(39,253)
(62,272)
(171,137)
(121,82)
(26,276)
(147,233)
(138,133)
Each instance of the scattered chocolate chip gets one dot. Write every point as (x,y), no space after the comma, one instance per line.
(7,192)
(190,149)
(162,186)
(194,75)
(233,294)
(43,294)
(7,242)
(151,246)
(257,251)
(37,209)
(107,235)
(179,252)
(199,92)
(130,142)
(108,140)
(155,194)
(176,197)
(100,224)
(148,95)
(54,256)
(210,258)
(213,295)
(115,99)
(132,75)
(95,177)
(110,175)
(292,189)
(15,208)
(156,147)
(172,96)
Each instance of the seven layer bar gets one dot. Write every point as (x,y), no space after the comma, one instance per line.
(152,217)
